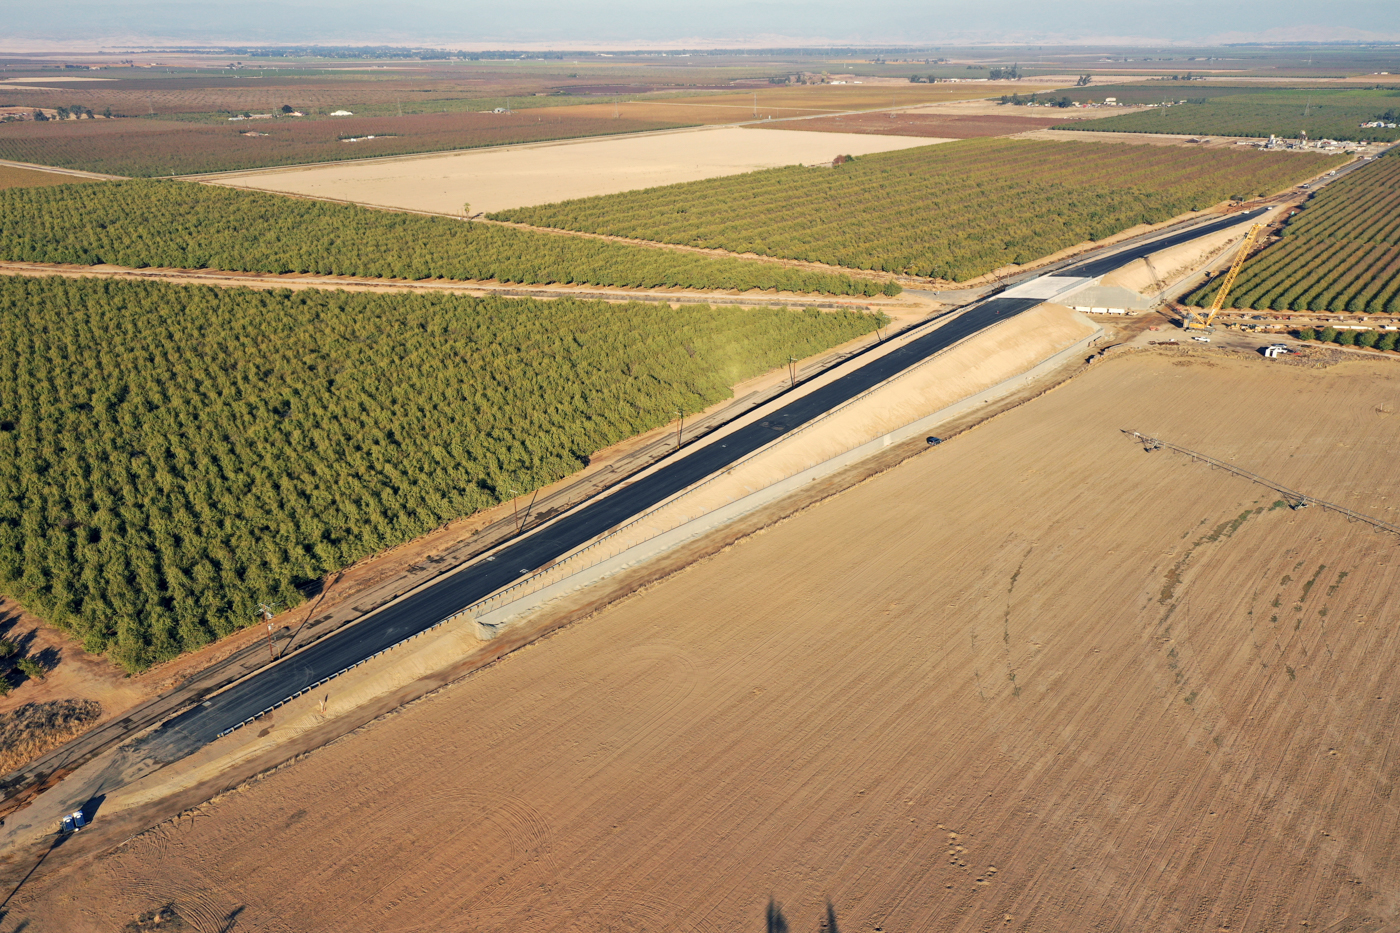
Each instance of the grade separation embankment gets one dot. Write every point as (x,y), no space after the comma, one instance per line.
(953,384)
(1156,274)
(974,373)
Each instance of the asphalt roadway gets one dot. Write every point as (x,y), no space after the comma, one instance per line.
(419,611)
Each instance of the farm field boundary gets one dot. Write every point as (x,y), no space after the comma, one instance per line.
(491,180)
(954,211)
(295,281)
(63,173)
(182,225)
(1320,113)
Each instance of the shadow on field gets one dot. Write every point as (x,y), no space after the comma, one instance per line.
(777,921)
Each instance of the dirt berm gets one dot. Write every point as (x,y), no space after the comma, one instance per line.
(1160,270)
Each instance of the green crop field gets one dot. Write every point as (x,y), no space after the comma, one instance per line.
(952,211)
(185,225)
(172,455)
(1341,253)
(1321,113)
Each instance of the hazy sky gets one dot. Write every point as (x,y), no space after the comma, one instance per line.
(562,23)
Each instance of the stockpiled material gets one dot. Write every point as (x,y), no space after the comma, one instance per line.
(1341,253)
(952,211)
(170,456)
(191,226)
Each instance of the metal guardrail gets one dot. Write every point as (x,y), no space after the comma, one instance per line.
(1296,500)
(328,679)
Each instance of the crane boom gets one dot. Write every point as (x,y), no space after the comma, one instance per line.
(1195,323)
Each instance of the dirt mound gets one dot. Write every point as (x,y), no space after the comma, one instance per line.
(1157,271)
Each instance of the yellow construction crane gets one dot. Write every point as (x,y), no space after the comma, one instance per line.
(1192,320)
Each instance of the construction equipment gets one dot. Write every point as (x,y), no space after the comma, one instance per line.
(1192,320)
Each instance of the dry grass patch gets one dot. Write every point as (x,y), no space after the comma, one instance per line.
(11,177)
(35,728)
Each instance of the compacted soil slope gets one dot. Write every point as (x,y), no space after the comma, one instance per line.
(1033,679)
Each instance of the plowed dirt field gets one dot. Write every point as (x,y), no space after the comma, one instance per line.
(1033,679)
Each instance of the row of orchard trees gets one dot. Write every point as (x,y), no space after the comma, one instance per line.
(170,456)
(1287,114)
(952,211)
(1379,339)
(1341,252)
(183,225)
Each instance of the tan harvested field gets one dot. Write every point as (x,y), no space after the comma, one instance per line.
(1034,679)
(498,179)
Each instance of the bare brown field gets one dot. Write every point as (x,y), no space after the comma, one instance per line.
(146,147)
(12,177)
(1035,679)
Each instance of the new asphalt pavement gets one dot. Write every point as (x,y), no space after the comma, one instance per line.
(451,594)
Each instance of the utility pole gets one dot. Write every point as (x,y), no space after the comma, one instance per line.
(515,502)
(680,430)
(792,372)
(528,509)
(265,613)
(755,104)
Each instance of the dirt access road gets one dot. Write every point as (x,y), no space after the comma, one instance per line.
(898,309)
(1034,679)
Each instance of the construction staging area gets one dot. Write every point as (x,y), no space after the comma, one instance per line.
(1033,678)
